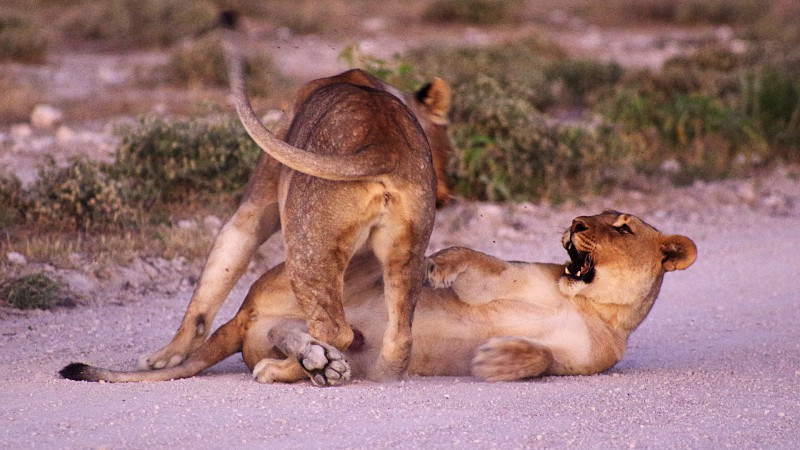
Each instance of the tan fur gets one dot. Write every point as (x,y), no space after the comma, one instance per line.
(494,319)
(351,172)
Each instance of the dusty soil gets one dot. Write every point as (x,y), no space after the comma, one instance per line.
(717,362)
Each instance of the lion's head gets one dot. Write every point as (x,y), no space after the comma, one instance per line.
(616,258)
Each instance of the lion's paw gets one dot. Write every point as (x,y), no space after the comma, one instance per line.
(169,356)
(438,274)
(324,364)
(510,358)
(269,370)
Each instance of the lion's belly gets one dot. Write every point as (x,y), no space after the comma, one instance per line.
(447,332)
(445,336)
(563,331)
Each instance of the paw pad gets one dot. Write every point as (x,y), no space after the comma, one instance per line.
(324,364)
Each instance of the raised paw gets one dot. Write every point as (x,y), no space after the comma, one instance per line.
(510,358)
(439,274)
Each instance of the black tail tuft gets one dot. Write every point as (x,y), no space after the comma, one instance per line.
(228,19)
(78,372)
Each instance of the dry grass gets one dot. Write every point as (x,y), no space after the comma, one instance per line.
(159,237)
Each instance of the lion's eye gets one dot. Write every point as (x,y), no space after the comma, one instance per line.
(623,229)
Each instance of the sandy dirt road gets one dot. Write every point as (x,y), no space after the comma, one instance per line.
(716,364)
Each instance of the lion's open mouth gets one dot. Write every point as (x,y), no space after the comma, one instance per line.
(581,265)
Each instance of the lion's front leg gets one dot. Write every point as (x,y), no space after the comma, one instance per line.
(511,358)
(233,249)
(472,275)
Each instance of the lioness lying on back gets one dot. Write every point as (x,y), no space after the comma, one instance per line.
(495,319)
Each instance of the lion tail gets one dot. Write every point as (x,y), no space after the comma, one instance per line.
(367,163)
(226,341)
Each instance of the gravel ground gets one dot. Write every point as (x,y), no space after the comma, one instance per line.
(716,364)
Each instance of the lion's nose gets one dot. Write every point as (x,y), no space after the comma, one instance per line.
(578,225)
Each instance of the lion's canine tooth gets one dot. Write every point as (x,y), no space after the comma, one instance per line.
(566,270)
(578,274)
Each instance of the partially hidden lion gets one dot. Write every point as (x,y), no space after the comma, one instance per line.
(479,315)
(351,172)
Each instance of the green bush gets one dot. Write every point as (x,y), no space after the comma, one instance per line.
(507,150)
(520,63)
(11,200)
(713,70)
(484,12)
(706,136)
(168,159)
(36,291)
(581,78)
(80,196)
(20,40)
(718,11)
(158,160)
(773,102)
(714,109)
(141,23)
(683,12)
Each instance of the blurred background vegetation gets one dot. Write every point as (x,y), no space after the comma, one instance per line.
(530,121)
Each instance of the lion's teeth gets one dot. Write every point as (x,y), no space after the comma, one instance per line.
(566,270)
(578,274)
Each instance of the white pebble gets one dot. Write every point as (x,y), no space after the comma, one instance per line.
(46,116)
(16,258)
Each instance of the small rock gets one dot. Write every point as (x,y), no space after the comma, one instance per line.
(747,193)
(739,46)
(671,166)
(774,201)
(46,116)
(724,33)
(212,224)
(778,205)
(186,224)
(16,258)
(65,134)
(21,131)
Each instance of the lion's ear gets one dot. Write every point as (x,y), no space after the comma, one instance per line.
(679,252)
(436,96)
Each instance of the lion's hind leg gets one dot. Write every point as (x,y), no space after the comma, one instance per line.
(511,358)
(305,357)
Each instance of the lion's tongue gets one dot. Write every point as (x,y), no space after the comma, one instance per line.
(587,264)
